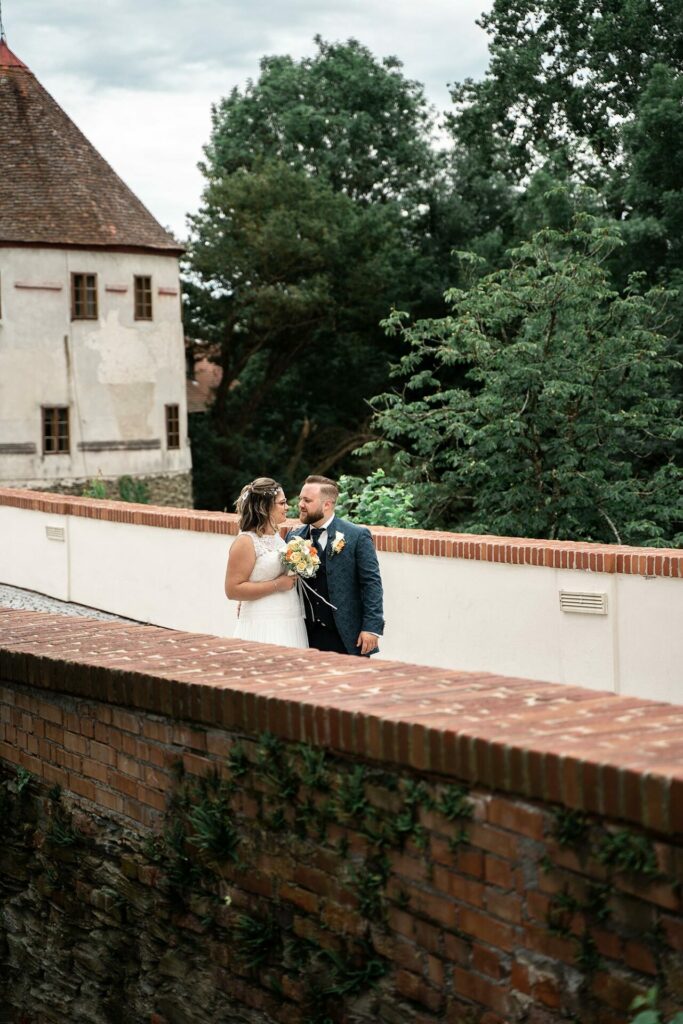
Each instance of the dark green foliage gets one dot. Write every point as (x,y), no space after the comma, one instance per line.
(569,427)
(277,821)
(132,489)
(258,940)
(214,830)
(204,831)
(563,78)
(455,803)
(564,906)
(350,976)
(562,909)
(311,225)
(238,762)
(314,771)
(22,780)
(625,851)
(350,798)
(570,827)
(596,904)
(369,881)
(275,765)
(406,823)
(588,958)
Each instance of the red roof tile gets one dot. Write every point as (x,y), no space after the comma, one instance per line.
(200,390)
(7,58)
(55,188)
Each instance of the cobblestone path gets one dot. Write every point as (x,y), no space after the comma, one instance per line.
(28,600)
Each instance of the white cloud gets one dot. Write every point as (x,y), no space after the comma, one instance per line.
(139,80)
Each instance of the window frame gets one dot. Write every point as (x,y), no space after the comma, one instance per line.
(142,297)
(81,295)
(51,413)
(172,416)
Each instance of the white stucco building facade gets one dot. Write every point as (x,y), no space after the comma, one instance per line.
(92,368)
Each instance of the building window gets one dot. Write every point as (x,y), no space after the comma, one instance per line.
(172,426)
(55,429)
(84,296)
(143,297)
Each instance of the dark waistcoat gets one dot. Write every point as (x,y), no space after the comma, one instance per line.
(316,609)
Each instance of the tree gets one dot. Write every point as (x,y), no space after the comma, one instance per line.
(569,428)
(340,115)
(564,75)
(654,192)
(309,230)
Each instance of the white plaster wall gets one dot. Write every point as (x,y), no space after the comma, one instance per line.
(171,578)
(451,613)
(27,555)
(650,637)
(504,618)
(115,373)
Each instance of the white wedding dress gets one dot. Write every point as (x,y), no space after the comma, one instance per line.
(277,618)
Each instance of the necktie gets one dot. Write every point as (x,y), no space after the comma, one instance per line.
(315,537)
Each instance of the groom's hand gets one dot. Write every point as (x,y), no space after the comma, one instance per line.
(367,642)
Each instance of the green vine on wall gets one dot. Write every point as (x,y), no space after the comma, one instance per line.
(579,917)
(299,790)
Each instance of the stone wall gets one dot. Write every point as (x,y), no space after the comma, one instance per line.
(197,830)
(173,490)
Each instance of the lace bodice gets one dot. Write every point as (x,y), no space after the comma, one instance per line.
(267,547)
(276,618)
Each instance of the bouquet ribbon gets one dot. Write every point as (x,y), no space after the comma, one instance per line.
(306,587)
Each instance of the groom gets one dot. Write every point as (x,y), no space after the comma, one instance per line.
(348,577)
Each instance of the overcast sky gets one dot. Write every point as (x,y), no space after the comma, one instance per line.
(139,78)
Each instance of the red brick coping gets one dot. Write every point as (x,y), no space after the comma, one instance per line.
(608,558)
(588,750)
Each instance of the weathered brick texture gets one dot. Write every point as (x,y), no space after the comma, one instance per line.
(397,851)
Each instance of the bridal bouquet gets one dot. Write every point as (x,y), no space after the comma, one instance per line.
(300,557)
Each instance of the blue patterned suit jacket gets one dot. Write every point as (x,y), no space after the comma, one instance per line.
(353,580)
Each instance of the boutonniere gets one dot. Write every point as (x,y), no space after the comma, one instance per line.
(339,543)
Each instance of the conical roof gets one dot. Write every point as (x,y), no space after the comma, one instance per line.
(55,188)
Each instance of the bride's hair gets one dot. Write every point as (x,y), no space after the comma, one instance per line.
(255,503)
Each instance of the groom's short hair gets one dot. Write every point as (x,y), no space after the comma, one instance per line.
(328,488)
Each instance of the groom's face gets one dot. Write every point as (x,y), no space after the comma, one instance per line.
(312,509)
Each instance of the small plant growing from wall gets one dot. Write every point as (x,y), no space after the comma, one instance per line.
(649,1012)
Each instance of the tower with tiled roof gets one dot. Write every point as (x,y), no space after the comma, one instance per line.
(92,378)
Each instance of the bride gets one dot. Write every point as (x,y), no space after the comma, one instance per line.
(270,610)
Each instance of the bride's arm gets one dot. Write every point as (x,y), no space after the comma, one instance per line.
(241,561)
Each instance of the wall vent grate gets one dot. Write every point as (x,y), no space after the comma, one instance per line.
(583,603)
(55,533)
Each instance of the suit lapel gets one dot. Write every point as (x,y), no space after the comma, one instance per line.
(331,534)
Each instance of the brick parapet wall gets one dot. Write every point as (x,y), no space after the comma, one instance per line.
(492,930)
(587,750)
(607,558)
